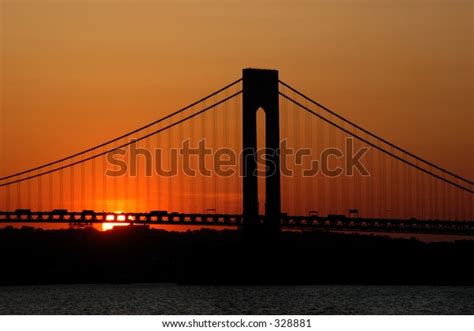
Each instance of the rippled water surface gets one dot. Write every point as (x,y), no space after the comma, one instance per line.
(174,299)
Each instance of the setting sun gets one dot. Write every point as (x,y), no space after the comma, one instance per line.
(111,218)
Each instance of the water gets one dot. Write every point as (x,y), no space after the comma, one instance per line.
(174,299)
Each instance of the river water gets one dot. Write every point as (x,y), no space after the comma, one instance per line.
(175,299)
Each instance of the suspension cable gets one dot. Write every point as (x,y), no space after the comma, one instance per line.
(125,144)
(376,136)
(377,147)
(124,135)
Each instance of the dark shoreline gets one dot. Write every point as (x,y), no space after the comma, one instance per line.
(208,257)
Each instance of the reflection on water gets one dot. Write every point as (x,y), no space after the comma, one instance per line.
(174,299)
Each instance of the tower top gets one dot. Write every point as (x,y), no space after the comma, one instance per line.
(254,72)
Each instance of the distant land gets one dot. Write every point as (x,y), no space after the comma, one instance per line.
(139,254)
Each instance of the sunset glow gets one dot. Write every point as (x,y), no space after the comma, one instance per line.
(68,86)
(117,216)
(264,160)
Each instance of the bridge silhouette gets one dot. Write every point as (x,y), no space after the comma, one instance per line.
(297,165)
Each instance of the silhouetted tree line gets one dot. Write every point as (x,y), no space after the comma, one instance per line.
(139,254)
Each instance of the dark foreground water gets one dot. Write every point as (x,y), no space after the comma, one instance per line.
(174,299)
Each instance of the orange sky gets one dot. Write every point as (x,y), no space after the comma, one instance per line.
(77,72)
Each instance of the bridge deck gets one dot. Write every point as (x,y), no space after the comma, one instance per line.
(331,222)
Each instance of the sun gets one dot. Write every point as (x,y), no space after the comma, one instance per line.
(116,216)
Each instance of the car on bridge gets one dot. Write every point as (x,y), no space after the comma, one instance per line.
(336,217)
(23,212)
(158,213)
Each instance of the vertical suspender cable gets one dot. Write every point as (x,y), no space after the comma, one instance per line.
(28,194)
(316,157)
(384,186)
(7,200)
(406,197)
(296,187)
(137,181)
(426,196)
(237,115)
(419,197)
(332,180)
(170,155)
(61,201)
(93,203)
(433,198)
(18,195)
(50,191)
(471,197)
(392,200)
(429,211)
(450,201)
(204,191)
(444,200)
(226,145)
(126,204)
(147,175)
(343,177)
(40,193)
(370,184)
(180,166)
(339,138)
(104,183)
(214,146)
(381,189)
(157,174)
(71,193)
(190,180)
(357,180)
(115,188)
(324,197)
(459,205)
(456,204)
(282,138)
(308,134)
(83,186)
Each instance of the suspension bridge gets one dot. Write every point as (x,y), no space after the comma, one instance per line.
(259,154)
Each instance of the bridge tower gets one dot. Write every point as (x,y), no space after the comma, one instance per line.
(260,90)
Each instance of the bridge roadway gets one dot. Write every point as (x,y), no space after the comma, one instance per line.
(330,222)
